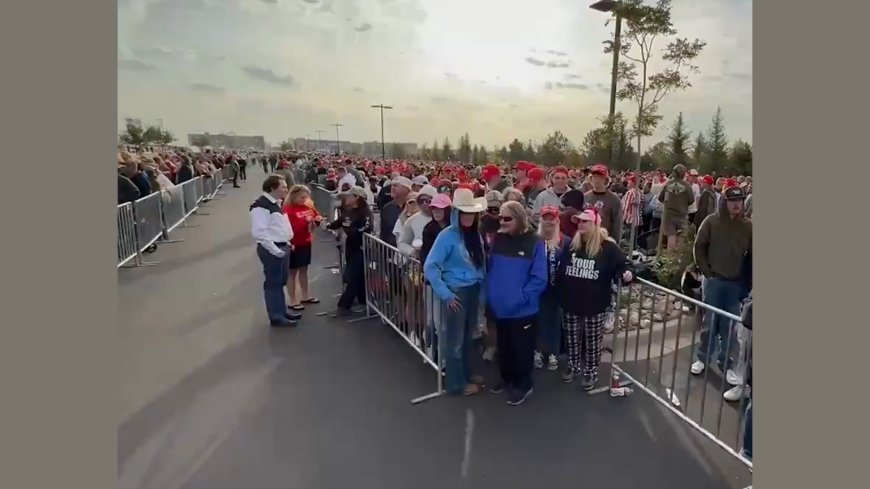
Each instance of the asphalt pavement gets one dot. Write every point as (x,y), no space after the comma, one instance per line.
(212,398)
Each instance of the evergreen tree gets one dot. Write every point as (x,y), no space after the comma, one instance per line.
(678,141)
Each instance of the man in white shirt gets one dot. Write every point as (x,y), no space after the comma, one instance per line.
(272,232)
(692,179)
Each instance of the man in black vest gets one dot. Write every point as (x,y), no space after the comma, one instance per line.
(273,233)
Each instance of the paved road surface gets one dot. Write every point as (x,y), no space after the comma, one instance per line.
(214,399)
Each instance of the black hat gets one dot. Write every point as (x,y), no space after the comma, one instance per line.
(734,193)
(573,198)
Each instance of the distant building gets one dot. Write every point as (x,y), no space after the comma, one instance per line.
(229,141)
(371,148)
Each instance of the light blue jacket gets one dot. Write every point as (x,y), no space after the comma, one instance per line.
(448,265)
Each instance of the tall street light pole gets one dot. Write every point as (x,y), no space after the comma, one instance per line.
(614,6)
(383,145)
(337,140)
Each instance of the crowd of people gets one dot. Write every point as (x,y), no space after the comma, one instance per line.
(553,234)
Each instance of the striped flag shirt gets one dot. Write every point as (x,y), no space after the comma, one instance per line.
(631,203)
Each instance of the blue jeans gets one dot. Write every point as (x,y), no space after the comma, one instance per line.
(725,295)
(276,271)
(549,325)
(747,430)
(457,329)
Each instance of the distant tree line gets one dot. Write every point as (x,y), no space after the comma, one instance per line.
(709,151)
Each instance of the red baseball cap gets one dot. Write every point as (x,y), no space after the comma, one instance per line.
(550,210)
(524,166)
(708,180)
(599,169)
(490,172)
(560,169)
(536,174)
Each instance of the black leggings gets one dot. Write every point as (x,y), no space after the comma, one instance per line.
(354,281)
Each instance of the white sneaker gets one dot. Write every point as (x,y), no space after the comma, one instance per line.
(698,367)
(539,360)
(734,394)
(609,323)
(732,378)
(552,363)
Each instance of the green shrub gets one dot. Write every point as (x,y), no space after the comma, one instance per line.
(670,264)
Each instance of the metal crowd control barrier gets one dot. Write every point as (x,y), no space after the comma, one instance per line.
(173,210)
(191,204)
(659,334)
(150,219)
(327,205)
(127,248)
(149,223)
(397,293)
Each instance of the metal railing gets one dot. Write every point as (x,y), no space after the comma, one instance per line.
(173,209)
(397,293)
(127,248)
(151,219)
(659,335)
(327,205)
(191,204)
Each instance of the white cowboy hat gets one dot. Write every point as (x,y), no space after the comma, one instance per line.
(464,201)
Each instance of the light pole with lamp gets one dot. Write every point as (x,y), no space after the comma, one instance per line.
(614,6)
(383,145)
(617,8)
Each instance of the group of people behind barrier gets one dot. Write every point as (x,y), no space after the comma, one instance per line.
(528,267)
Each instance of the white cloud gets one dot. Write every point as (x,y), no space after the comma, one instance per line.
(494,74)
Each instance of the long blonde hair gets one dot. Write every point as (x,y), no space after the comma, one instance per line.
(518,212)
(293,192)
(591,246)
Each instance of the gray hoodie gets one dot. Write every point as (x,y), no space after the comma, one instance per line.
(722,244)
(545,198)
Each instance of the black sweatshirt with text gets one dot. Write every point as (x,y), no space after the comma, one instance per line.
(583,283)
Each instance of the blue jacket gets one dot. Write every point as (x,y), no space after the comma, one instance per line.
(448,265)
(516,275)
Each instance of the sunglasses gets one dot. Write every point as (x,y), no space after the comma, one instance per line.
(493,210)
(424,201)
(578,219)
(505,218)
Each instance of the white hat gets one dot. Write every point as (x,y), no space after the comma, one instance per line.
(428,190)
(400,180)
(464,201)
(420,180)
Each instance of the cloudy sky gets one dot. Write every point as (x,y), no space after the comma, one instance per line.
(497,69)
